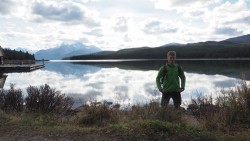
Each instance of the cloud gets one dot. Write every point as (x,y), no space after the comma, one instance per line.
(96,85)
(121,24)
(228,12)
(223,20)
(95,32)
(230,8)
(181,5)
(149,89)
(228,31)
(92,94)
(155,26)
(245,20)
(196,13)
(241,19)
(32,41)
(121,92)
(66,12)
(127,38)
(6,6)
(113,25)
(225,83)
(121,85)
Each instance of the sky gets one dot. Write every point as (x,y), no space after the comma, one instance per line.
(119,24)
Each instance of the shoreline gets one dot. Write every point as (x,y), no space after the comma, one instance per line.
(128,60)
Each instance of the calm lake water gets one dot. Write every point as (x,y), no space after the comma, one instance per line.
(130,82)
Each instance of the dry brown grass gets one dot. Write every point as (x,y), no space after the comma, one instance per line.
(229,112)
(225,118)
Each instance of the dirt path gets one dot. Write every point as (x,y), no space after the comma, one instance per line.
(12,134)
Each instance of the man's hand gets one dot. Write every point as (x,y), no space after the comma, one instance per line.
(181,90)
(161,90)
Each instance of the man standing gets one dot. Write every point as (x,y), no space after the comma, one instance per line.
(168,81)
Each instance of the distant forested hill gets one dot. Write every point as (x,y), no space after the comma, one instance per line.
(238,47)
(17,55)
(204,50)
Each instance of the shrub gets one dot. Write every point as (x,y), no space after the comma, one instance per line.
(206,112)
(43,99)
(2,98)
(97,114)
(11,100)
(231,109)
(32,99)
(47,100)
(236,106)
(154,111)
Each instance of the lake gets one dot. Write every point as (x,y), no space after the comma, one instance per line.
(130,82)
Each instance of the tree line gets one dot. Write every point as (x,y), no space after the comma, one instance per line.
(192,51)
(17,55)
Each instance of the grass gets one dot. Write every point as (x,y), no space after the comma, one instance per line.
(129,130)
(159,130)
(225,118)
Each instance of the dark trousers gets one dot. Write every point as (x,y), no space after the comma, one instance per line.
(176,96)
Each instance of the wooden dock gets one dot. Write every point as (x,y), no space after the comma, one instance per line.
(11,68)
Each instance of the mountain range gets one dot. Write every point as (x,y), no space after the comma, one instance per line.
(245,39)
(237,47)
(193,50)
(65,50)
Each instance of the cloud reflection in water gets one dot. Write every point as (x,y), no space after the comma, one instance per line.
(117,85)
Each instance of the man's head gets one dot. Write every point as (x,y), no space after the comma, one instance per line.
(171,57)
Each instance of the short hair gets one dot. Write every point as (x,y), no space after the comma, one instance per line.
(171,53)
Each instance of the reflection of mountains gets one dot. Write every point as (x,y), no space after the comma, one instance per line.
(231,68)
(66,68)
(128,65)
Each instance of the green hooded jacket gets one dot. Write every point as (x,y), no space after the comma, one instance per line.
(171,81)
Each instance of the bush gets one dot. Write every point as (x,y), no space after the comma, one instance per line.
(47,100)
(98,114)
(2,98)
(230,111)
(236,105)
(11,100)
(154,111)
